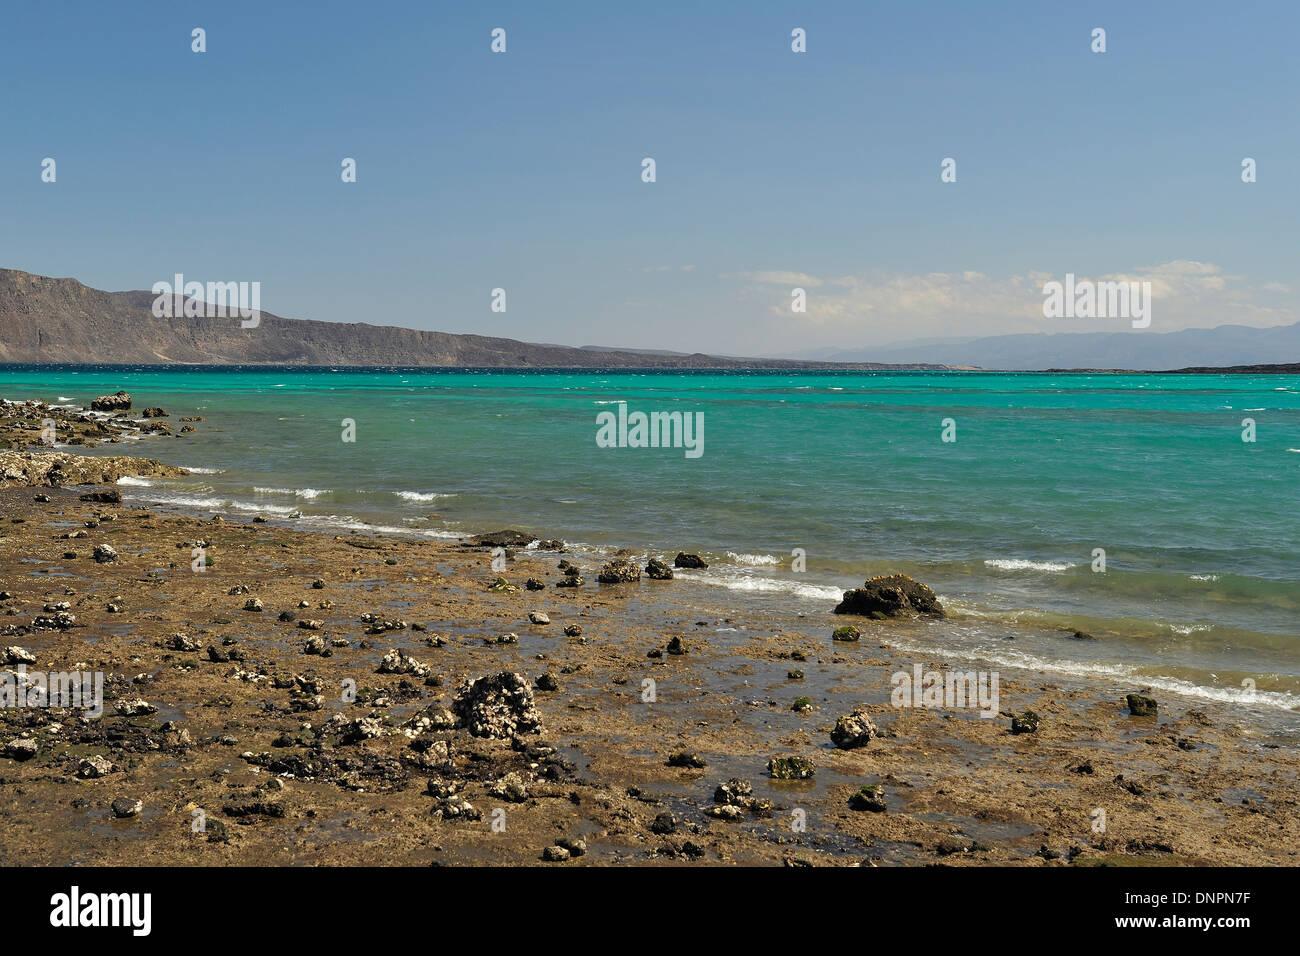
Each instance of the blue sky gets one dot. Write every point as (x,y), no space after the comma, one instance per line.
(522,170)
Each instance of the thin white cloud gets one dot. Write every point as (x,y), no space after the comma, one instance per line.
(778,278)
(1185,294)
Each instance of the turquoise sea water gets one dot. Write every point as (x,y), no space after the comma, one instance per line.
(1201,531)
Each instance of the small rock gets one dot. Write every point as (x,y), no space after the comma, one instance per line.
(575,847)
(510,788)
(686,758)
(664,824)
(102,497)
(1026,723)
(854,730)
(790,768)
(658,570)
(124,807)
(870,798)
(91,768)
(735,792)
(725,812)
(183,642)
(1139,705)
(134,707)
(21,748)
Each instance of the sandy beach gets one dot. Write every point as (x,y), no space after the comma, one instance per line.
(276,696)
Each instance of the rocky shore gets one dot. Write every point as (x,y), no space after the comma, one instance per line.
(276,696)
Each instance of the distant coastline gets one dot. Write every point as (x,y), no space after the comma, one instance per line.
(775,368)
(62,322)
(1288,368)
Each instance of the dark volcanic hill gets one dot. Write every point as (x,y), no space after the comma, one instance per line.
(44,320)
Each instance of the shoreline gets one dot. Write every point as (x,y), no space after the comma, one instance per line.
(387,780)
(229,735)
(1267,706)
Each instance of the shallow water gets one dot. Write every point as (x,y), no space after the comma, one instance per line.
(1200,529)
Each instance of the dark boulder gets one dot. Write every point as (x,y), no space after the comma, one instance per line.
(502,539)
(619,571)
(891,595)
(103,497)
(871,799)
(1026,723)
(684,560)
(854,730)
(1139,705)
(658,570)
(120,401)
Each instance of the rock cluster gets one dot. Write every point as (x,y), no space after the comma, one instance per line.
(56,469)
(500,705)
(737,795)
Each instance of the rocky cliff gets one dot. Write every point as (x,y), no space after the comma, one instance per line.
(45,320)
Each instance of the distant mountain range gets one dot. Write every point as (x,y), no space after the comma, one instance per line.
(1225,345)
(61,321)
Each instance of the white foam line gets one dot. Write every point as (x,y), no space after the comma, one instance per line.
(1123,674)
